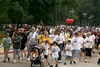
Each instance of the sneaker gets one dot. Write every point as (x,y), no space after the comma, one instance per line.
(59,61)
(77,60)
(74,62)
(21,58)
(71,62)
(28,59)
(56,65)
(85,61)
(92,54)
(14,61)
(4,61)
(8,58)
(51,65)
(89,60)
(65,63)
(98,55)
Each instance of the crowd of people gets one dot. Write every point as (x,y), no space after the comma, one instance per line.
(73,42)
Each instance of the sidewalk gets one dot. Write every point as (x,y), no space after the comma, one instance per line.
(10,51)
(25,63)
(93,60)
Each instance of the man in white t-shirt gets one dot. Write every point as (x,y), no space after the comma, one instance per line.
(60,40)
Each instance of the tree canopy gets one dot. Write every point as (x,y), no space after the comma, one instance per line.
(86,12)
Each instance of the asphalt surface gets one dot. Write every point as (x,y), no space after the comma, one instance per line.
(25,63)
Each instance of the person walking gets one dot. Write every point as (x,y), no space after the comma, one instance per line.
(60,40)
(16,46)
(68,50)
(55,50)
(23,42)
(6,43)
(31,41)
(76,47)
(88,43)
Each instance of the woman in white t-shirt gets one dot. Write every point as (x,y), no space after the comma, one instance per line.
(76,47)
(55,49)
(88,45)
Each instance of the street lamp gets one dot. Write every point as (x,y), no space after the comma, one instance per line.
(72,11)
(84,14)
(91,16)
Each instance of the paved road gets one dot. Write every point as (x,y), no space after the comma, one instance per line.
(25,63)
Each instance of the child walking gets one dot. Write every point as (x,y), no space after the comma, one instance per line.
(45,46)
(68,50)
(55,50)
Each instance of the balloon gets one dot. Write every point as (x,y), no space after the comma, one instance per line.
(69,21)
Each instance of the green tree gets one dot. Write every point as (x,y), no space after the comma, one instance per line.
(16,12)
(3,11)
(41,10)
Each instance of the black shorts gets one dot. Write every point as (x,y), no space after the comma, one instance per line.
(83,49)
(22,47)
(88,51)
(46,56)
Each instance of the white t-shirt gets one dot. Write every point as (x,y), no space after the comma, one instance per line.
(76,43)
(84,42)
(81,41)
(69,49)
(62,34)
(88,42)
(46,47)
(32,37)
(55,50)
(93,38)
(52,36)
(59,39)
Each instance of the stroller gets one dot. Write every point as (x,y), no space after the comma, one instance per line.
(98,61)
(38,60)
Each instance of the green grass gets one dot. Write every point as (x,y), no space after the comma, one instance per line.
(2,33)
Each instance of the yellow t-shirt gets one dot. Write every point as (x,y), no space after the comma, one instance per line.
(99,46)
(44,39)
(67,36)
(40,37)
